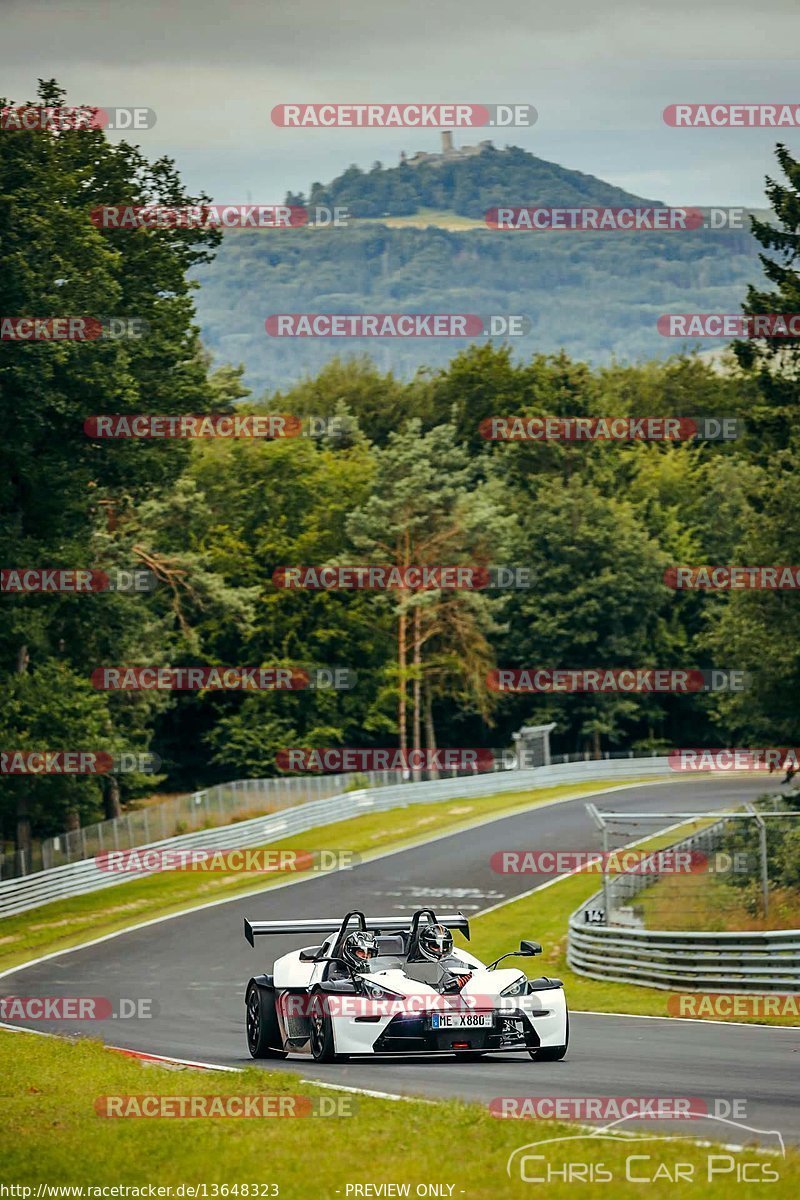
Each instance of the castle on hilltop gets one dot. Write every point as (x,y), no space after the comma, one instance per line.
(450,153)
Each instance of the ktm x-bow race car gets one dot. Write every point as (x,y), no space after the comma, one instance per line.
(398,986)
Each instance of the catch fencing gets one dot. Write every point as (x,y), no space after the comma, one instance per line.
(74,879)
(678,960)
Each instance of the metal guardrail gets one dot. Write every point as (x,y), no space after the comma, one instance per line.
(678,960)
(217,805)
(209,807)
(74,879)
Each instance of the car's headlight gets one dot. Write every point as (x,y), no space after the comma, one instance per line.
(519,988)
(376,992)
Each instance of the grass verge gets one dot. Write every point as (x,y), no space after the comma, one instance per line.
(710,904)
(423,219)
(66,923)
(52,1134)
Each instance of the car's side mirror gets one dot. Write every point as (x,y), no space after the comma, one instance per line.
(341,987)
(309,954)
(529,948)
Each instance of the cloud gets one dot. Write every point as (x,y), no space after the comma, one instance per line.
(213,73)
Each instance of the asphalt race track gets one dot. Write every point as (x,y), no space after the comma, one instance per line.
(195,967)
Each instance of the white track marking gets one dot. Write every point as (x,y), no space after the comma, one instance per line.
(388,854)
(342,1087)
(295,882)
(141,1055)
(588,1012)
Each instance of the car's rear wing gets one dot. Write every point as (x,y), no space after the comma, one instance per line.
(394,924)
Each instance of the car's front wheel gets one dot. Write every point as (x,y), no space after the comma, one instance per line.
(321,1031)
(263,1032)
(552,1053)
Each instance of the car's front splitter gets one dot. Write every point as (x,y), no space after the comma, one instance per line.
(415,1034)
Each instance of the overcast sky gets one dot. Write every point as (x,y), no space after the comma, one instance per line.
(598,74)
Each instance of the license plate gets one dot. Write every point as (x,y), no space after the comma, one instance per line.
(461,1020)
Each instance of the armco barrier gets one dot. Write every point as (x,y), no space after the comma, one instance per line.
(217,805)
(678,960)
(18,895)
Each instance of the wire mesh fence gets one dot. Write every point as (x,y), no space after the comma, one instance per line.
(209,808)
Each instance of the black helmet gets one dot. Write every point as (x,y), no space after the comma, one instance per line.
(358,948)
(435,942)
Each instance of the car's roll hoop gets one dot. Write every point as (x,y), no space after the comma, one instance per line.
(393,924)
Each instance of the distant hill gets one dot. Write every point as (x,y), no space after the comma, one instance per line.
(466,181)
(596,295)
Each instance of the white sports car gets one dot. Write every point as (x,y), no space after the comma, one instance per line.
(397,985)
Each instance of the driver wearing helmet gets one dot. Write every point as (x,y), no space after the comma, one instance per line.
(358,950)
(435,945)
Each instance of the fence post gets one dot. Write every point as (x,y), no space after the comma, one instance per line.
(762,846)
(762,838)
(606,894)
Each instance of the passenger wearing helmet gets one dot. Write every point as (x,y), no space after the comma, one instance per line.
(435,942)
(358,949)
(435,946)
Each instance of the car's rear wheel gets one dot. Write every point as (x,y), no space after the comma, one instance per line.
(551,1053)
(321,1031)
(263,1031)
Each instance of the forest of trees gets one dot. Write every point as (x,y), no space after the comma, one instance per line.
(409,480)
(467,186)
(597,296)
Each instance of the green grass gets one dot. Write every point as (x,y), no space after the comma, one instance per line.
(712,904)
(51,1133)
(66,923)
(542,916)
(439,218)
